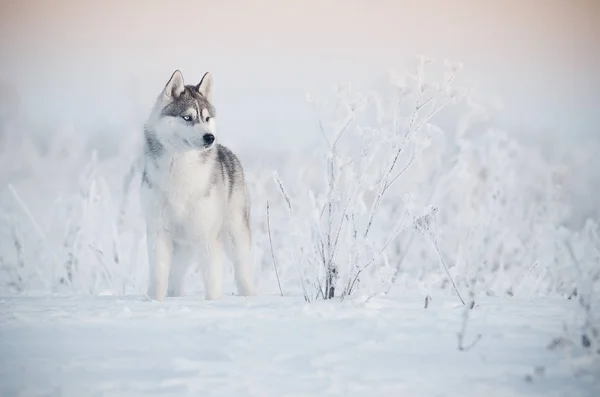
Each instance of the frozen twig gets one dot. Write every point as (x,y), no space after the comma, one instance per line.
(423,225)
(272,252)
(107,273)
(283,193)
(291,215)
(427,300)
(36,226)
(590,333)
(38,229)
(463,328)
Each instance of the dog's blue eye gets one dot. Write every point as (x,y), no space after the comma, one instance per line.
(187,118)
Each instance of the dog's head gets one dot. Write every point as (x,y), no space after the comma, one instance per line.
(184,117)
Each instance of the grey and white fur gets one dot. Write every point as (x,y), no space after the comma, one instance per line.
(193,194)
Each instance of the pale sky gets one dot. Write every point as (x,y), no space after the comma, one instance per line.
(80,60)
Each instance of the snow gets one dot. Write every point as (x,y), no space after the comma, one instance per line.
(273,346)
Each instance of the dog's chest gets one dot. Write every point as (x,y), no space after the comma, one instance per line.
(186,187)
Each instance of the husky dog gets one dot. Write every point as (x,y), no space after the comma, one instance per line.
(193,194)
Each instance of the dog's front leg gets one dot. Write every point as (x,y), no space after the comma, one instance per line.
(160,249)
(213,271)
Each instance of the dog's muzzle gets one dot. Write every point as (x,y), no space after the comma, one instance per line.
(201,143)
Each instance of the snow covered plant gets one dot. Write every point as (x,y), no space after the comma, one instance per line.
(79,242)
(102,253)
(588,270)
(504,205)
(583,334)
(339,230)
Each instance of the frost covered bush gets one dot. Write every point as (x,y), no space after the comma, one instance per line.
(584,249)
(580,342)
(85,239)
(342,230)
(392,197)
(503,205)
(408,189)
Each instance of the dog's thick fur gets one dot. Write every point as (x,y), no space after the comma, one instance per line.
(193,194)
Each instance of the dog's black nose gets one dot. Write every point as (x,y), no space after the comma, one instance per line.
(208,138)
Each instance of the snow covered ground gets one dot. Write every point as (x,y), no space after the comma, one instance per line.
(273,346)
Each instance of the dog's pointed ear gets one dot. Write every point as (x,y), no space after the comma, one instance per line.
(205,86)
(174,87)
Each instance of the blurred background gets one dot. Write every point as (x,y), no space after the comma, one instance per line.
(88,72)
(100,64)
